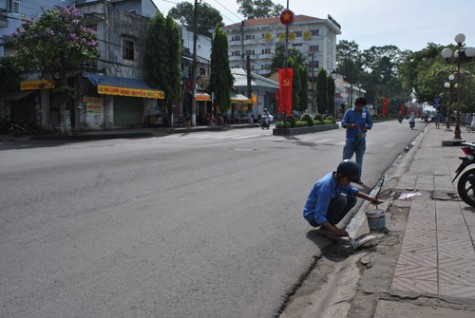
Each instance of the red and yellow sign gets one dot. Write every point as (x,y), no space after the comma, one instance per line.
(131,92)
(286,17)
(254,99)
(33,85)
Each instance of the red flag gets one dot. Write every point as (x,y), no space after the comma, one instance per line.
(385,106)
(285,84)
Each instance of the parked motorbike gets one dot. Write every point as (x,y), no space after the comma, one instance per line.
(466,183)
(412,124)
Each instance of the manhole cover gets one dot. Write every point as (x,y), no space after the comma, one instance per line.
(244,149)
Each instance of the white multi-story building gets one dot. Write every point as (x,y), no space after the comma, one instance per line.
(314,37)
(258,39)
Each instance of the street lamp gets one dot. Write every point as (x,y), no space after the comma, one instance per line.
(458,56)
(449,85)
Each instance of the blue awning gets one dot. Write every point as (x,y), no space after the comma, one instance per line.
(123,86)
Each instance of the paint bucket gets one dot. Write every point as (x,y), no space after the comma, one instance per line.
(376,219)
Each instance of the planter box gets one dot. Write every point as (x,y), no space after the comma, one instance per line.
(303,130)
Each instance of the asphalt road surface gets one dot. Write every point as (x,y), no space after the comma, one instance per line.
(207,224)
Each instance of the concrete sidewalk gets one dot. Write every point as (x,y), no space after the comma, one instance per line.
(424,265)
(437,257)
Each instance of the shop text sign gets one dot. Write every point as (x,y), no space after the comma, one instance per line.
(131,92)
(33,85)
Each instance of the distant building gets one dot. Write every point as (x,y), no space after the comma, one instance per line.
(316,38)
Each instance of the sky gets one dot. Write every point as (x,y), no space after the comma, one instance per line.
(407,24)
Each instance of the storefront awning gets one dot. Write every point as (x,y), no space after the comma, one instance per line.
(240,99)
(123,86)
(202,97)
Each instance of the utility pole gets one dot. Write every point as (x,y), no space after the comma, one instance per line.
(249,88)
(193,67)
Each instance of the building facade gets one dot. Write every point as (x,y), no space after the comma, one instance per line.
(111,92)
(315,38)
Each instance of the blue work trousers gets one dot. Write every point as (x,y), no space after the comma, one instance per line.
(358,148)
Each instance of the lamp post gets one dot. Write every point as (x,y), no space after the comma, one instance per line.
(449,85)
(458,56)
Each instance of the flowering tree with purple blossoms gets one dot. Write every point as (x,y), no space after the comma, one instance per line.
(55,44)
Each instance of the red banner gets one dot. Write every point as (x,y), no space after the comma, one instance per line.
(403,109)
(385,106)
(285,84)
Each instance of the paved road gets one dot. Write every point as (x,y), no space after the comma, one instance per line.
(206,224)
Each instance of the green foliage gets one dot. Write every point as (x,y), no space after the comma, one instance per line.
(330,120)
(278,58)
(173,80)
(318,117)
(9,77)
(156,52)
(331,94)
(56,43)
(291,121)
(255,9)
(301,123)
(322,91)
(303,92)
(221,79)
(207,16)
(308,119)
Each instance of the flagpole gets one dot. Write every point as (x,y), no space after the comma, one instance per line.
(286,55)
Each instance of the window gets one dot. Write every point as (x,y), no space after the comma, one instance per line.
(266,51)
(128,50)
(14,6)
(313,48)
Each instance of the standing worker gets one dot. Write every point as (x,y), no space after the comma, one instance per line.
(437,119)
(357,121)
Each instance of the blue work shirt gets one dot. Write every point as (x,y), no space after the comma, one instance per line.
(363,119)
(323,191)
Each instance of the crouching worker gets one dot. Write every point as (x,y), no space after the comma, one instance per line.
(332,197)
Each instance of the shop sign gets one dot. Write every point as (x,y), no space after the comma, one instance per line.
(131,92)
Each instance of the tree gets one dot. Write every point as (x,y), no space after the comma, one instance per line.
(163,57)
(255,9)
(331,94)
(278,58)
(322,91)
(303,93)
(207,18)
(55,45)
(221,79)
(9,77)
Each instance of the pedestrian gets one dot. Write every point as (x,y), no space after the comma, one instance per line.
(437,119)
(332,197)
(357,121)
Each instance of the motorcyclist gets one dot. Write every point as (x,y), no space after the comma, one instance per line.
(412,121)
(266,117)
(399,117)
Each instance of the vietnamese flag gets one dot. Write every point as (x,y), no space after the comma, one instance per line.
(285,84)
